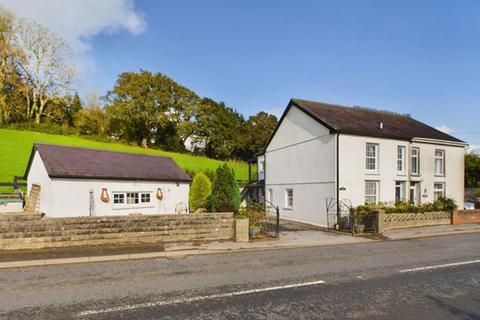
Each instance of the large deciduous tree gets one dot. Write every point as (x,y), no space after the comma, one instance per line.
(258,129)
(44,64)
(151,108)
(472,170)
(10,82)
(219,128)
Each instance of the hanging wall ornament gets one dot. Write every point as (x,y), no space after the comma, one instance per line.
(104,196)
(159,194)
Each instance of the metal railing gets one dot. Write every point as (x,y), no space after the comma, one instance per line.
(271,223)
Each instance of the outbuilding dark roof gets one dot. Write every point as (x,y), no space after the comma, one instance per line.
(79,163)
(366,122)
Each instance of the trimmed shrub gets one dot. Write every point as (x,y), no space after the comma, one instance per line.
(199,191)
(225,195)
(442,204)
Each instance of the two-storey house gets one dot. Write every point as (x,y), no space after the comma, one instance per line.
(321,151)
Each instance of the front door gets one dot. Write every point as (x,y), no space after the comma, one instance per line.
(414,192)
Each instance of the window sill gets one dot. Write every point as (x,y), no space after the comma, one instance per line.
(288,209)
(439,176)
(132,207)
(373,173)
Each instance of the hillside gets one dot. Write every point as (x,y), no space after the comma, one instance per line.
(15,148)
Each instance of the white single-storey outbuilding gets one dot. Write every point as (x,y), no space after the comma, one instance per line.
(86,182)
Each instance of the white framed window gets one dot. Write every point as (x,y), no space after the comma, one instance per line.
(401,159)
(288,198)
(371,192)
(119,198)
(400,191)
(415,161)
(145,197)
(371,157)
(439,162)
(131,199)
(261,167)
(270,197)
(438,190)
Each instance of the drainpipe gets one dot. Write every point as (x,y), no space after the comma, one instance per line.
(337,178)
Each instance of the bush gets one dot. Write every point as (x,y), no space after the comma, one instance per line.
(199,191)
(255,212)
(442,204)
(225,195)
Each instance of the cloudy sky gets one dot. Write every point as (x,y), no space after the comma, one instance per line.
(417,57)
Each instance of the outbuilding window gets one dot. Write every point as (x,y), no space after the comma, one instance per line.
(118,198)
(131,199)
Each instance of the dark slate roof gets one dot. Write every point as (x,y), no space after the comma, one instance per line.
(79,163)
(366,122)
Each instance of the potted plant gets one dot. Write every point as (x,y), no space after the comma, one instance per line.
(359,226)
(254,230)
(256,214)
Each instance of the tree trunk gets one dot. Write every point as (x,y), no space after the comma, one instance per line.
(144,143)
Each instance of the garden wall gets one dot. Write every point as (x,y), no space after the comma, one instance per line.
(29,231)
(407,220)
(466,216)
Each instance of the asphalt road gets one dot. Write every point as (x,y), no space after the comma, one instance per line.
(430,278)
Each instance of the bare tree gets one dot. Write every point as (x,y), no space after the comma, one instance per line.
(45,65)
(9,79)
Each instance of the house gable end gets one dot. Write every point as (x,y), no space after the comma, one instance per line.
(296,126)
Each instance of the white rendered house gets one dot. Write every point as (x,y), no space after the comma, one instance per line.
(321,151)
(86,182)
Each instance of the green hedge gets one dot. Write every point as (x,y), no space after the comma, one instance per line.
(442,204)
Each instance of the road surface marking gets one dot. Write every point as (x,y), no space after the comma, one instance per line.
(194,299)
(440,266)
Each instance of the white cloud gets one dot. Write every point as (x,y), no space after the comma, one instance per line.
(474,148)
(444,128)
(80,20)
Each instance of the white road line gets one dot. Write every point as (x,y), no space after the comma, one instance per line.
(440,266)
(194,299)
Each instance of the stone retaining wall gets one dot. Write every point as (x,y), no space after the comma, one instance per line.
(22,231)
(387,221)
(466,216)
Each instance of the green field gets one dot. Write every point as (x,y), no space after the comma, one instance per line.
(15,148)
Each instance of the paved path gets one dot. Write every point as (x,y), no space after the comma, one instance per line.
(378,279)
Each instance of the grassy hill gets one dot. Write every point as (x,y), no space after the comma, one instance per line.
(15,148)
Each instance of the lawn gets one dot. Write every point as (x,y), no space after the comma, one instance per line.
(15,148)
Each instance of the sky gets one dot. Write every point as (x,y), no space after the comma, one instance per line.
(416,57)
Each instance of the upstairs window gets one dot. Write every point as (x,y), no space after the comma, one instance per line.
(439,162)
(415,161)
(401,159)
(371,157)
